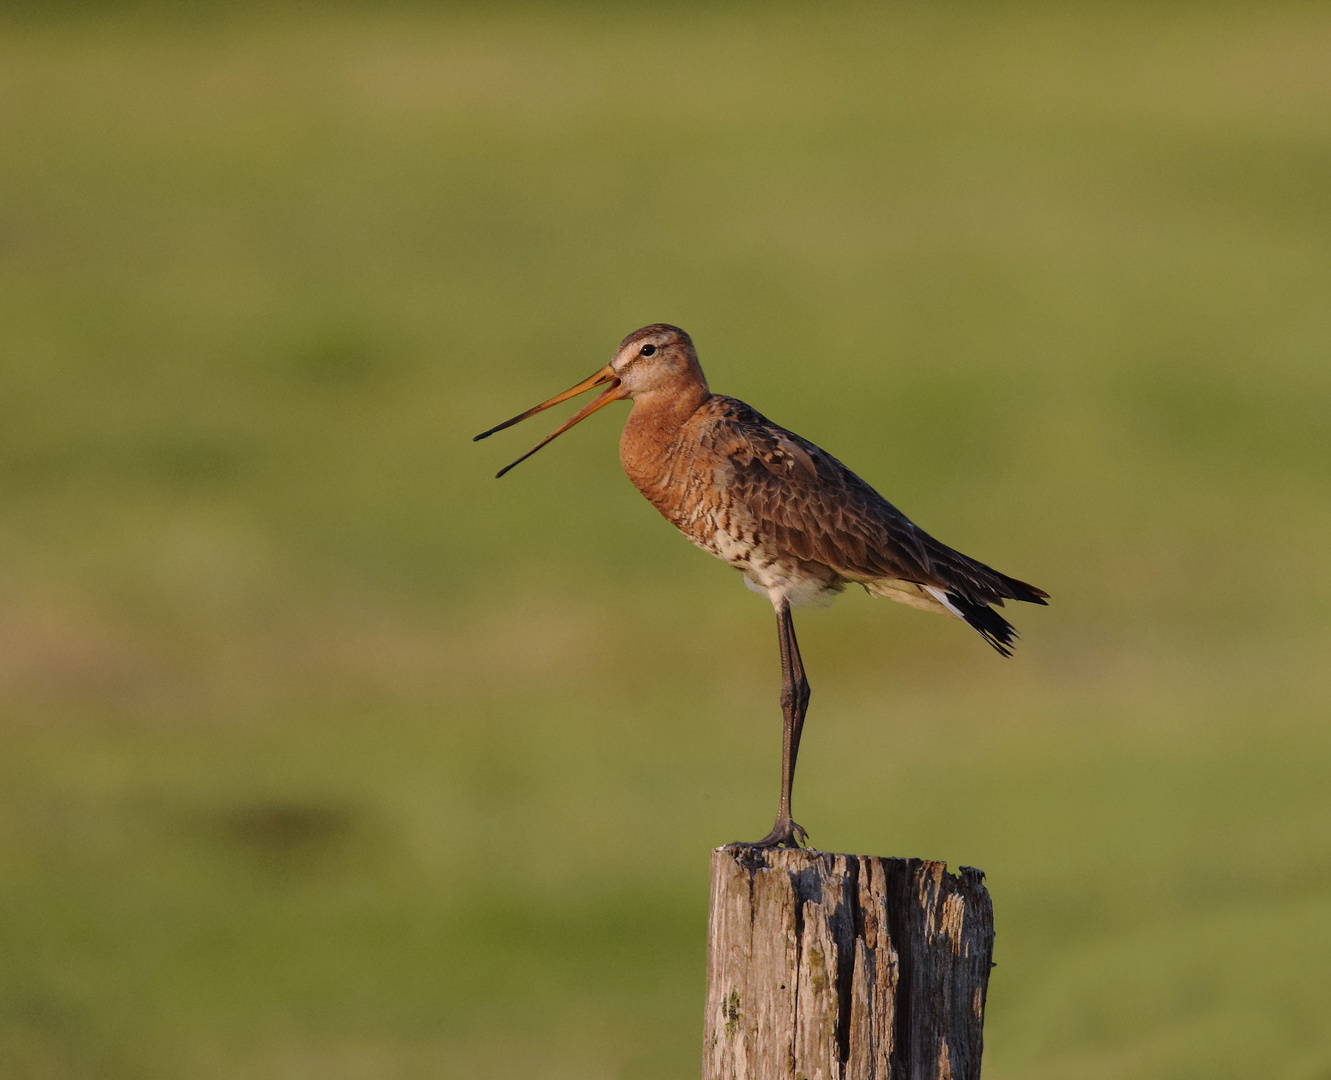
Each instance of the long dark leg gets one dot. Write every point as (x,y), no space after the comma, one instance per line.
(794,704)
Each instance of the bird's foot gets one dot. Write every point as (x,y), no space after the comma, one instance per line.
(785,833)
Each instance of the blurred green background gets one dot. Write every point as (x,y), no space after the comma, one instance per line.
(324,755)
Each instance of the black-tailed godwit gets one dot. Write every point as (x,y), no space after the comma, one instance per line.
(796,522)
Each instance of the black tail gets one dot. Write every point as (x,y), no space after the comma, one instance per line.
(971,587)
(1019,590)
(990,625)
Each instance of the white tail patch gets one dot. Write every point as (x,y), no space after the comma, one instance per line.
(941,597)
(909,593)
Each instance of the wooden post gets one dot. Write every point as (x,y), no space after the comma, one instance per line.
(844,967)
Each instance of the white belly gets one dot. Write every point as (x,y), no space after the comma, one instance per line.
(779,577)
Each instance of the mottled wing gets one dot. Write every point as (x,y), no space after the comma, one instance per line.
(815,508)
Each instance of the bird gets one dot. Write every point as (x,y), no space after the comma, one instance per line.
(797,523)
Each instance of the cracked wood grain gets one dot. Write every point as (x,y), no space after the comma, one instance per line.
(844,967)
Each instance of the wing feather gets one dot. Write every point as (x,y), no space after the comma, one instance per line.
(816,509)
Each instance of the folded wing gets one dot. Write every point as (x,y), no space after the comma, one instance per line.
(809,505)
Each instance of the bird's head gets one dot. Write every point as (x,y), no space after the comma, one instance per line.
(659,357)
(656,359)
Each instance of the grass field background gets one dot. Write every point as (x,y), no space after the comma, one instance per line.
(324,755)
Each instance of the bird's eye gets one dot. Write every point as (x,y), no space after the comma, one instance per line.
(647,350)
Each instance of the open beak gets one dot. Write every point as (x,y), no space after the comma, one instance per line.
(614,392)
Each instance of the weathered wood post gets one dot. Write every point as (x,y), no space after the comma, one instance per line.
(844,967)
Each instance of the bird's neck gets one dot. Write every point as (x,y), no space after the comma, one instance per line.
(654,426)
